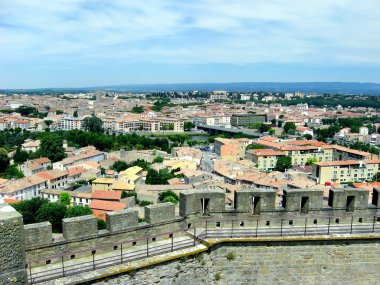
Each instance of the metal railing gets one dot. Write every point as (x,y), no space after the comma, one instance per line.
(291,226)
(61,268)
(243,227)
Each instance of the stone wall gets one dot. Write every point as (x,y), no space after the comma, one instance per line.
(12,247)
(302,262)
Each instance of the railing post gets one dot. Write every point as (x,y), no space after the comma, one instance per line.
(30,273)
(93,259)
(328,227)
(194,236)
(373,225)
(206,230)
(352,220)
(121,253)
(172,242)
(305,226)
(63,267)
(147,247)
(257,225)
(232,228)
(281,226)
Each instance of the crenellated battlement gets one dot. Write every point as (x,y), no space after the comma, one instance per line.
(198,209)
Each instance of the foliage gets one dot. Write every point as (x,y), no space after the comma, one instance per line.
(376,177)
(271,132)
(230,256)
(264,128)
(101,224)
(4,160)
(54,213)
(52,148)
(218,276)
(77,211)
(188,125)
(20,155)
(168,196)
(137,109)
(122,165)
(48,122)
(29,208)
(12,172)
(75,114)
(311,161)
(158,159)
(65,198)
(160,177)
(289,126)
(93,124)
(283,163)
(255,146)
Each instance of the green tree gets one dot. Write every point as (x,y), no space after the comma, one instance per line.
(65,198)
(12,172)
(158,159)
(264,128)
(311,161)
(20,155)
(53,213)
(283,163)
(59,112)
(29,208)
(48,122)
(188,125)
(255,146)
(4,160)
(77,211)
(308,136)
(137,109)
(93,124)
(75,114)
(271,132)
(289,126)
(168,196)
(376,177)
(52,148)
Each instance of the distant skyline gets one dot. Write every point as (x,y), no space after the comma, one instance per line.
(80,43)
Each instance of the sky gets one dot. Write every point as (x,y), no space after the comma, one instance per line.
(85,43)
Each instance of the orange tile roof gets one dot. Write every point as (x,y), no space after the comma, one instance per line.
(11,201)
(42,160)
(267,152)
(107,205)
(106,195)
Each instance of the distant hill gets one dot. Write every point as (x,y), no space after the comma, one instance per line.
(306,87)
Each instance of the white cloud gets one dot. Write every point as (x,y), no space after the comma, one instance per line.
(199,31)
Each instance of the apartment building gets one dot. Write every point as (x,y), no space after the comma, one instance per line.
(345,171)
(265,159)
(55,178)
(23,189)
(88,155)
(71,123)
(230,148)
(304,150)
(246,119)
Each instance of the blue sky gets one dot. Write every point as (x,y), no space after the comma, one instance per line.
(76,43)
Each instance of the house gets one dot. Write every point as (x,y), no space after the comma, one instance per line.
(55,178)
(23,189)
(31,145)
(35,166)
(102,184)
(302,131)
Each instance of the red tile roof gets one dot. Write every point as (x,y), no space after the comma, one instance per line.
(106,195)
(107,205)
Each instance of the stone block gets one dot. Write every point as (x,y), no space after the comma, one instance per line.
(80,227)
(201,202)
(38,234)
(376,197)
(12,247)
(253,200)
(122,220)
(303,200)
(348,198)
(159,213)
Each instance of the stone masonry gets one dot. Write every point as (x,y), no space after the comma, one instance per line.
(293,263)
